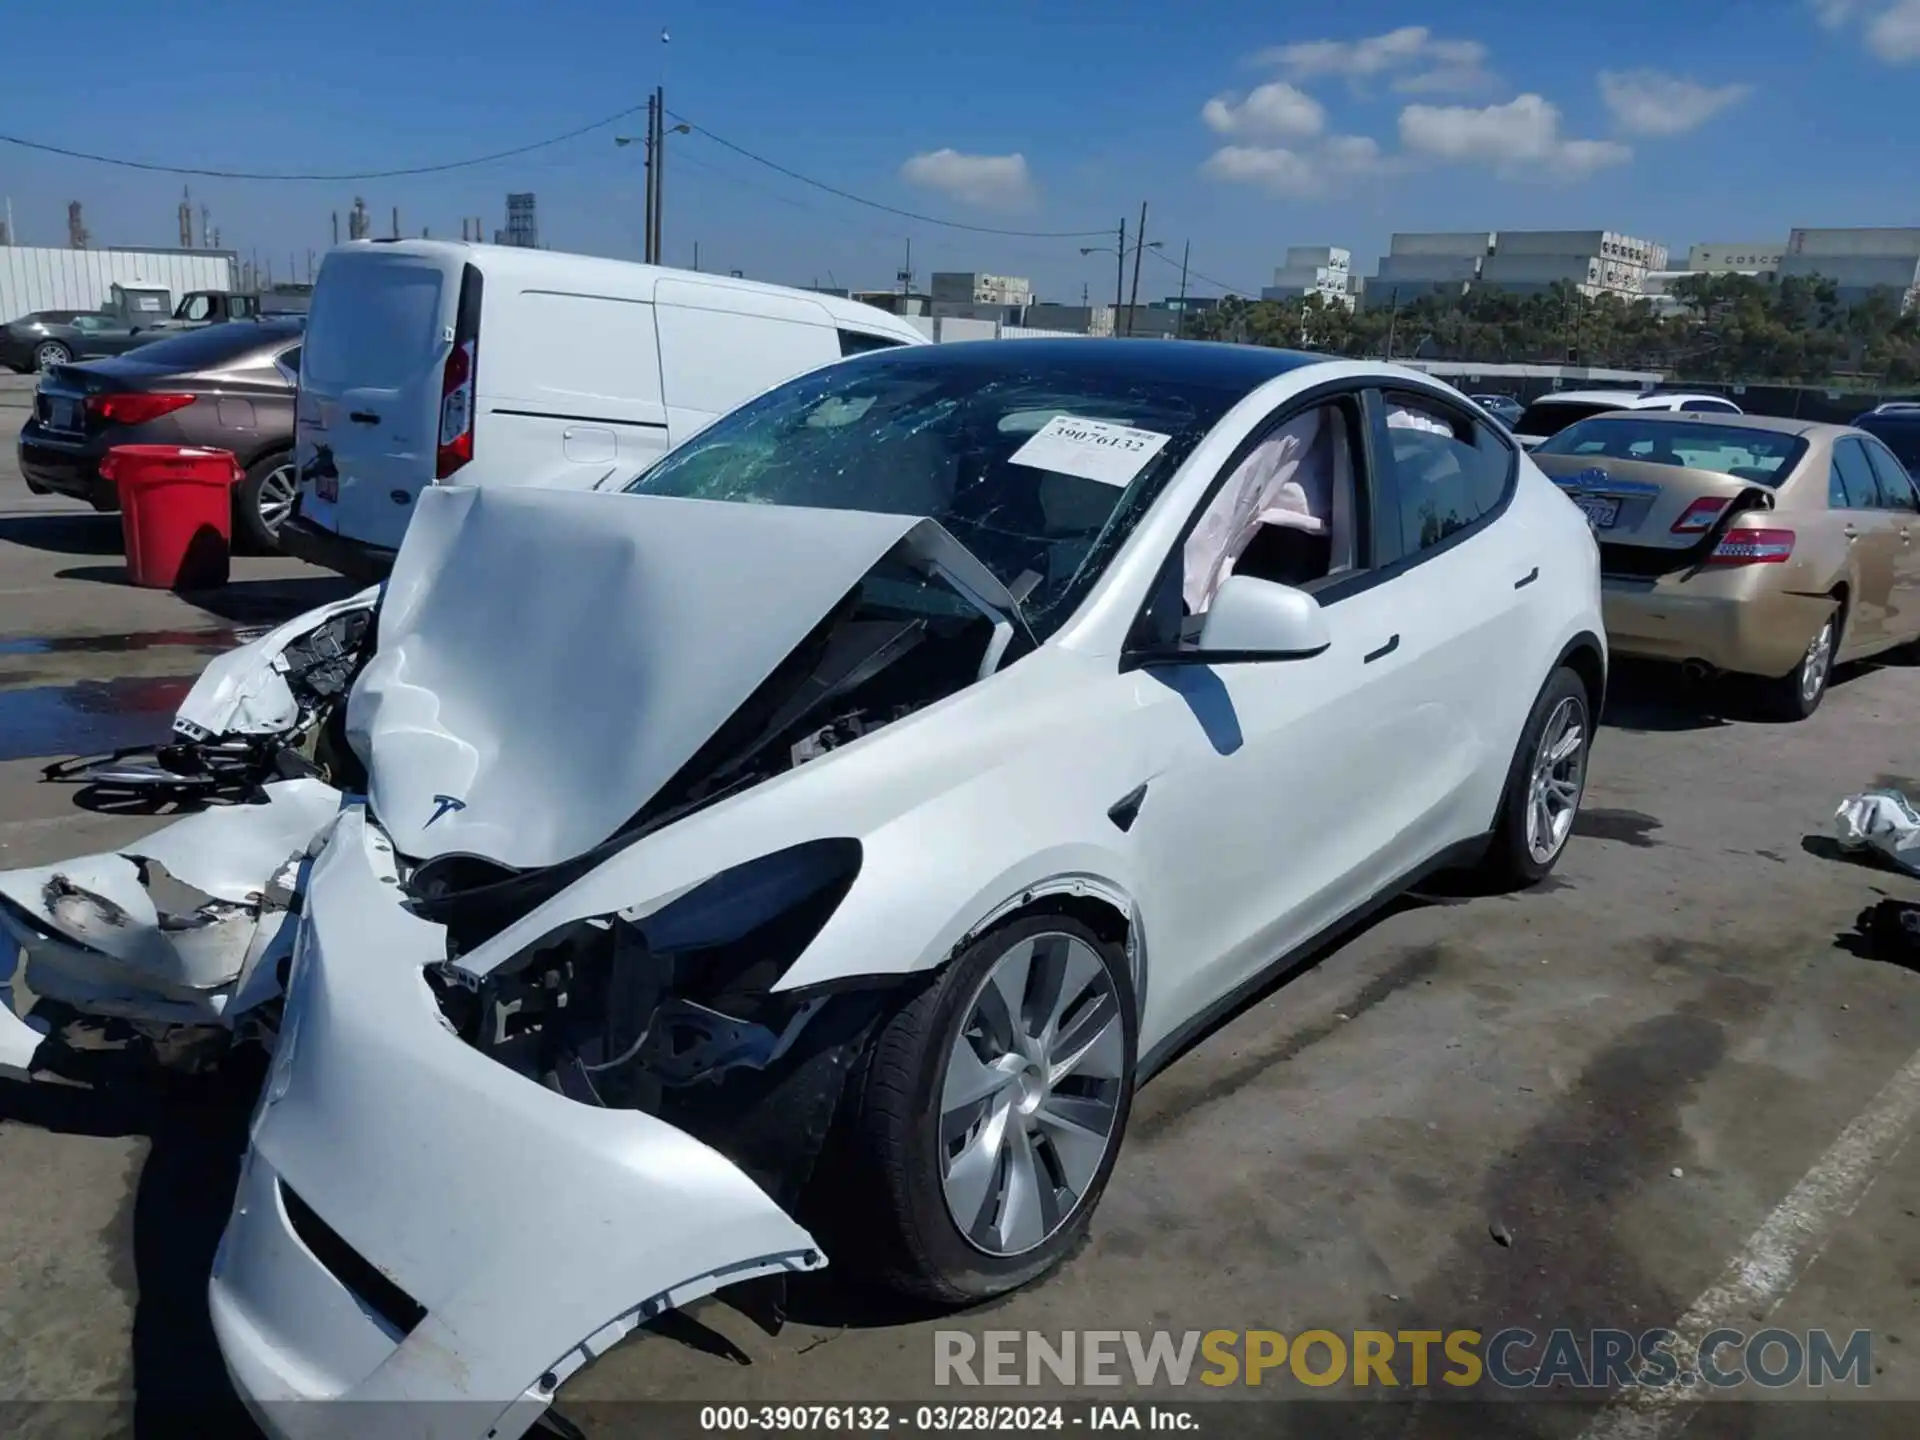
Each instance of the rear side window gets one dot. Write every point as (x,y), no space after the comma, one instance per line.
(1711,407)
(1896,486)
(1850,484)
(858,342)
(374,325)
(1448,471)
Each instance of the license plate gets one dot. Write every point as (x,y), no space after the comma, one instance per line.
(63,414)
(326,487)
(1600,511)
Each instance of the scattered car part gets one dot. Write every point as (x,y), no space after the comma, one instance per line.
(263,711)
(1884,822)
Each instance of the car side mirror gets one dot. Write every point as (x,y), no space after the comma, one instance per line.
(1250,620)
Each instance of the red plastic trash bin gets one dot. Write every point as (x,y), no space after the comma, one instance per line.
(176,513)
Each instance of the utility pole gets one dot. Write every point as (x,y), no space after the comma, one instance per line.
(336,227)
(653,119)
(659,172)
(396,222)
(696,257)
(1139,244)
(1180,315)
(1120,276)
(1393,319)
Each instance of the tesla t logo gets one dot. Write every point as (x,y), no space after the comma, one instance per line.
(444,805)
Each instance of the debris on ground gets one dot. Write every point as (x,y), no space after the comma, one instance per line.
(1884,821)
(1678,1173)
(1502,1236)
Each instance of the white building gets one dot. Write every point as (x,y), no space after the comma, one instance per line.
(1596,262)
(1323,270)
(1859,262)
(36,277)
(970,287)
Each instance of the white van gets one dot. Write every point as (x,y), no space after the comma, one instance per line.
(437,361)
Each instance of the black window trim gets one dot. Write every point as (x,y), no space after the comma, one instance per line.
(1380,560)
(1387,496)
(1168,582)
(1869,442)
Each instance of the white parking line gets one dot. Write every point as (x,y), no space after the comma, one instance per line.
(1775,1256)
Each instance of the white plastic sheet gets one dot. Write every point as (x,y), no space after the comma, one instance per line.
(1882,820)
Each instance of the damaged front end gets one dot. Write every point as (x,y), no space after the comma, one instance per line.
(675,1013)
(271,709)
(187,927)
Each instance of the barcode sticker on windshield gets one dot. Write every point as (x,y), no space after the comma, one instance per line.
(1091,449)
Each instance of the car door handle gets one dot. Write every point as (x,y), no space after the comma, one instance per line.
(364,417)
(1384,651)
(1527,579)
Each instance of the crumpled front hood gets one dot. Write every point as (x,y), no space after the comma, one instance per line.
(548,659)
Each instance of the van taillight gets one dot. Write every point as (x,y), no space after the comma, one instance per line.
(457,382)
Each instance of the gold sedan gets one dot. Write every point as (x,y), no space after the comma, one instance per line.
(1747,544)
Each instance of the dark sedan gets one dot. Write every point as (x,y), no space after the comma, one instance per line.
(1899,428)
(54,337)
(230,386)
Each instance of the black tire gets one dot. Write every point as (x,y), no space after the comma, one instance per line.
(49,353)
(1797,694)
(897,1225)
(1510,862)
(251,531)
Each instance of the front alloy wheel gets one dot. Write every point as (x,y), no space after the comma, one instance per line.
(989,1113)
(1031,1092)
(1546,780)
(49,353)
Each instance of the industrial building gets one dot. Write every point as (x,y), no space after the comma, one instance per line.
(1428,263)
(523,226)
(1596,262)
(45,278)
(1323,270)
(970,287)
(1749,257)
(1859,262)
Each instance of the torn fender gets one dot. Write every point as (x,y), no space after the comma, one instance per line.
(509,1233)
(245,690)
(163,929)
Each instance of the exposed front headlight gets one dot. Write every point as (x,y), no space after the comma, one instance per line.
(672,1011)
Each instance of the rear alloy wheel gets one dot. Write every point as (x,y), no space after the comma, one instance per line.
(993,1107)
(1798,694)
(49,353)
(1545,784)
(262,502)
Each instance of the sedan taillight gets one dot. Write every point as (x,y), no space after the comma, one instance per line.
(136,409)
(1753,547)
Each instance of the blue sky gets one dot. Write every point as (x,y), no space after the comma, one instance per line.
(1248,127)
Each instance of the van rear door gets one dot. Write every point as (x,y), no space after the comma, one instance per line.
(379,335)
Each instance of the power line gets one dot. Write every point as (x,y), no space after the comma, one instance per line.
(126,164)
(877,205)
(1193,274)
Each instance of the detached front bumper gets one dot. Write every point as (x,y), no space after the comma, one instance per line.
(185,927)
(417,1223)
(1733,620)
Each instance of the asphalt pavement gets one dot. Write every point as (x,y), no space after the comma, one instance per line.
(1673,1082)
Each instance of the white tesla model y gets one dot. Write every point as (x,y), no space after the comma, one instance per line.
(803,852)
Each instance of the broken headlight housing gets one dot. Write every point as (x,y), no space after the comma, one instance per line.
(674,1013)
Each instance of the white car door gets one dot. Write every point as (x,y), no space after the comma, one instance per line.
(1287,793)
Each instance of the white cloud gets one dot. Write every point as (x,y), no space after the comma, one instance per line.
(1420,62)
(1891,27)
(994,181)
(1650,102)
(1296,172)
(1894,34)
(1275,109)
(1520,136)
